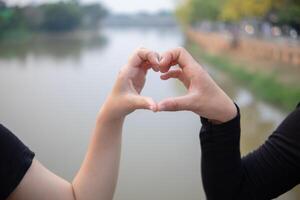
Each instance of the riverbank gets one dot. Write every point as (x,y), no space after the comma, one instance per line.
(265,85)
(55,44)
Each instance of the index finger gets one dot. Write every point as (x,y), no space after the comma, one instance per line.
(144,55)
(175,56)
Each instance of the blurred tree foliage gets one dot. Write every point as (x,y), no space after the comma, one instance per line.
(289,13)
(191,11)
(10,18)
(60,16)
(276,11)
(234,10)
(92,14)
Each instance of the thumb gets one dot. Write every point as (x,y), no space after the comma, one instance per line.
(142,102)
(175,104)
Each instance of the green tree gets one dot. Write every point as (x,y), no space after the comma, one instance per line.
(191,11)
(92,14)
(289,13)
(285,11)
(62,16)
(10,19)
(235,10)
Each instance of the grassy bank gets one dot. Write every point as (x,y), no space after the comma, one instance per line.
(265,86)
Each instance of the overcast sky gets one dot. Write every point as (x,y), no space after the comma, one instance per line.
(127,6)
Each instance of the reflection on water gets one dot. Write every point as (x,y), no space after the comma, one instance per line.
(53,87)
(56,45)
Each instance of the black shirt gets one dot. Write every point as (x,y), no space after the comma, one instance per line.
(15,160)
(266,173)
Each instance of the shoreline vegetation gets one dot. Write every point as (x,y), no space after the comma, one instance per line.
(59,45)
(265,86)
(271,19)
(20,23)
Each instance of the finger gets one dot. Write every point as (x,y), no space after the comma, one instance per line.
(165,62)
(175,56)
(175,104)
(141,102)
(146,66)
(144,55)
(176,73)
(153,58)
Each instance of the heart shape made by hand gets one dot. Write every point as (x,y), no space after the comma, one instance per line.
(202,96)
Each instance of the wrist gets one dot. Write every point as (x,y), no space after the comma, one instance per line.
(110,112)
(227,112)
(220,111)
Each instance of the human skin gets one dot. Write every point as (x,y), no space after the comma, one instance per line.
(97,177)
(204,97)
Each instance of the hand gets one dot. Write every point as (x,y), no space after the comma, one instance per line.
(204,96)
(125,96)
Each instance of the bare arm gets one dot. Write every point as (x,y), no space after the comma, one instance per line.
(98,174)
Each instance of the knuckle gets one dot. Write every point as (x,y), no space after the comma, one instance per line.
(140,49)
(136,51)
(149,54)
(181,49)
(132,57)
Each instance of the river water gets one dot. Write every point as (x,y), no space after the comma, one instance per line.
(52,87)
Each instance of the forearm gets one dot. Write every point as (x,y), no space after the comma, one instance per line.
(222,172)
(97,177)
(266,173)
(273,168)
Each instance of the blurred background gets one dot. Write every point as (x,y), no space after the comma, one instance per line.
(59,60)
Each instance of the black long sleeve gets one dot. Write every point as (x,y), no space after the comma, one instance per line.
(267,172)
(15,160)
